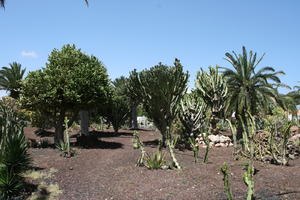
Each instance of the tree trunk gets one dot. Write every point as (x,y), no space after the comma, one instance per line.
(84,122)
(134,124)
(59,128)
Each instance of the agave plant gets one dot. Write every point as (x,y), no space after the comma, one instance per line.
(156,160)
(14,158)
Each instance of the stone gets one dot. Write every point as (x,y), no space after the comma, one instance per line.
(214,138)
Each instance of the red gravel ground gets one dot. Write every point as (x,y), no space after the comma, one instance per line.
(107,171)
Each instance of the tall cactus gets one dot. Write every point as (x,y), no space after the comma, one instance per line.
(137,144)
(161,88)
(192,114)
(249,180)
(212,88)
(226,179)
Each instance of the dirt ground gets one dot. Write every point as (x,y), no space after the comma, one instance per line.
(107,171)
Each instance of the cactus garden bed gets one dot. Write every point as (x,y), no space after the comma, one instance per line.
(106,170)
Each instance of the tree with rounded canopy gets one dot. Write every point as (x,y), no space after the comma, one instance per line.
(10,79)
(70,82)
(161,88)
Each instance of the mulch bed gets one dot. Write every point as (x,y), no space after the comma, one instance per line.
(106,170)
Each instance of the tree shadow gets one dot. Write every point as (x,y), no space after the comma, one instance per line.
(44,133)
(93,142)
(107,134)
(270,195)
(151,143)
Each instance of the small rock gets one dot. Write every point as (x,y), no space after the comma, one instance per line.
(218,145)
(214,138)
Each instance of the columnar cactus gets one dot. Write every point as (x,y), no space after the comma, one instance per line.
(171,143)
(192,114)
(195,147)
(212,88)
(226,179)
(249,180)
(137,144)
(161,88)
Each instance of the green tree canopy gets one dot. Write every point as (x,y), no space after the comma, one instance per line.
(71,81)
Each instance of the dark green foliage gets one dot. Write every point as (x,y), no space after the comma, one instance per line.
(14,158)
(133,92)
(250,90)
(71,81)
(161,88)
(117,110)
(226,179)
(10,79)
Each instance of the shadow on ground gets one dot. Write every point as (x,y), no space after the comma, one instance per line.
(94,142)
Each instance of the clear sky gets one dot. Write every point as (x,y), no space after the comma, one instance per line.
(128,34)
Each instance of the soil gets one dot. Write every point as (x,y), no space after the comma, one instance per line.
(106,170)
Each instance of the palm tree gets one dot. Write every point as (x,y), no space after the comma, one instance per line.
(2,3)
(250,91)
(10,79)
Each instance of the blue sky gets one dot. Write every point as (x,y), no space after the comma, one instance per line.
(128,34)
